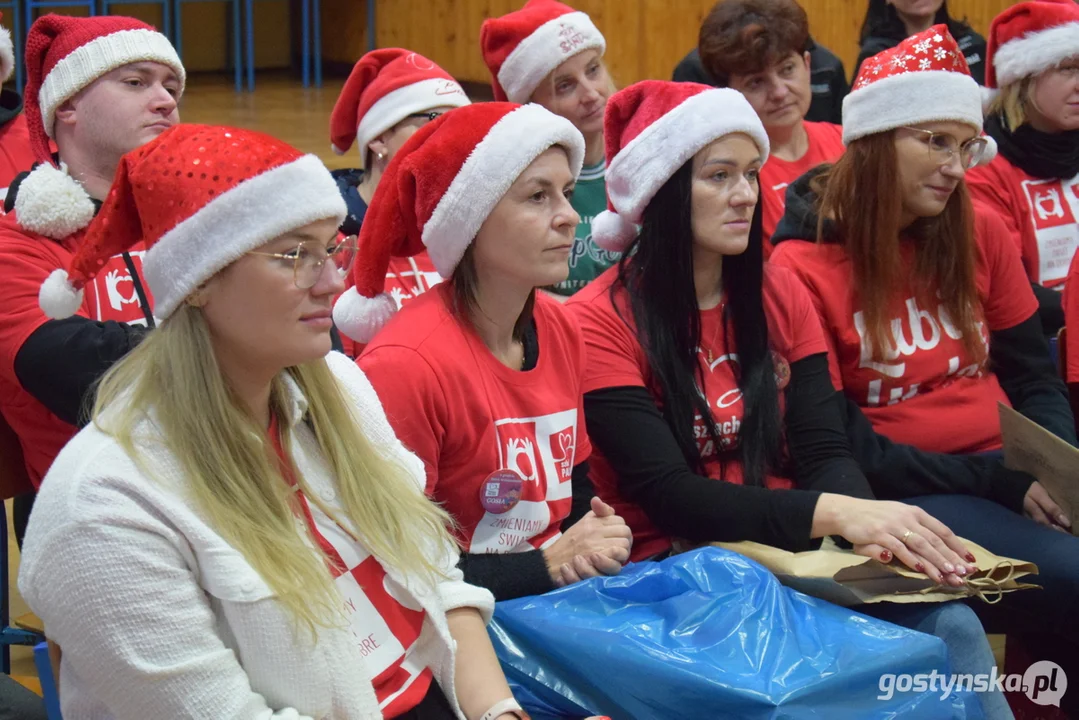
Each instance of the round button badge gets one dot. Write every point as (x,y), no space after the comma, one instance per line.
(501,491)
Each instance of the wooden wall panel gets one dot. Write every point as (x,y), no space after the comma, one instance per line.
(646,38)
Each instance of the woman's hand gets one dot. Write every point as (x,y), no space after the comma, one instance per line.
(597,544)
(881,530)
(1039,507)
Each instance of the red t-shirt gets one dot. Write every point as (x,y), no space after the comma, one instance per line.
(616,359)
(406,278)
(383,616)
(1041,215)
(15,153)
(26,260)
(825,145)
(466,415)
(1071,321)
(927,390)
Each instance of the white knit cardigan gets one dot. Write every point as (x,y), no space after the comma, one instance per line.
(159,617)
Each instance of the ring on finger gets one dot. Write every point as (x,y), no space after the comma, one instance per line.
(906,536)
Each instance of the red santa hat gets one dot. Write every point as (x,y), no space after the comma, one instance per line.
(198,197)
(437,192)
(651,129)
(1029,38)
(63,55)
(7,53)
(923,79)
(523,47)
(384,88)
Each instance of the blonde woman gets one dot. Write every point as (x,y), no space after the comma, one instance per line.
(552,55)
(238,534)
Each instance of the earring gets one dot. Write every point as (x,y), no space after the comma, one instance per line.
(380,155)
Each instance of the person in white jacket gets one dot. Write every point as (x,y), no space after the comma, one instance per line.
(238,534)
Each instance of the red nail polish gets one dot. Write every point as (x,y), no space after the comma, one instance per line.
(886,556)
(971,558)
(919,567)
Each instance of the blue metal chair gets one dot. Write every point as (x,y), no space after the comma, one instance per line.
(32,5)
(311,43)
(48,681)
(9,635)
(166,14)
(15,8)
(237,59)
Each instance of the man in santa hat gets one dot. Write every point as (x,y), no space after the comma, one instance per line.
(15,152)
(97,87)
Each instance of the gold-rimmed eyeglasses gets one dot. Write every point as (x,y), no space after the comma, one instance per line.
(307,259)
(943,147)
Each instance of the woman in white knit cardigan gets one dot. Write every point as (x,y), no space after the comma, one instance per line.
(238,534)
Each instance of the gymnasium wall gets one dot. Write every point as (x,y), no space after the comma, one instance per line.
(646,38)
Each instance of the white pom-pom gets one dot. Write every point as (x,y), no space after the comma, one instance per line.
(989,153)
(359,317)
(336,150)
(988,96)
(57,297)
(50,202)
(7,55)
(612,232)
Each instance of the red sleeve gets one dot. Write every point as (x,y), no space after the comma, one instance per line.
(1071,322)
(583,448)
(613,356)
(1008,298)
(413,401)
(792,317)
(804,294)
(992,194)
(26,264)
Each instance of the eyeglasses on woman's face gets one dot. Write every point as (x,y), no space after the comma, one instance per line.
(308,258)
(944,146)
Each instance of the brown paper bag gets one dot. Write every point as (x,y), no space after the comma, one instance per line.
(1031,448)
(844,578)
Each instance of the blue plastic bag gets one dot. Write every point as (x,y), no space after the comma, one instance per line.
(709,634)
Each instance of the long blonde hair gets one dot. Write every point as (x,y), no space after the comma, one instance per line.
(234,477)
(1011,102)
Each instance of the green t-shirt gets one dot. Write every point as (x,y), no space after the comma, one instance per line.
(587,260)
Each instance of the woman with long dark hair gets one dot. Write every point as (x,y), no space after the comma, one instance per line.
(929,316)
(706,388)
(888,22)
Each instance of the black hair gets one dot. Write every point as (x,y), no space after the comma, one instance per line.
(657,273)
(882,20)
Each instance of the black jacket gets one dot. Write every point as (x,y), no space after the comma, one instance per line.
(828,81)
(971,44)
(1021,361)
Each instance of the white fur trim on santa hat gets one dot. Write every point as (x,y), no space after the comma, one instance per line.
(402,102)
(509,147)
(648,161)
(7,55)
(549,45)
(359,317)
(100,56)
(1035,52)
(52,203)
(236,221)
(612,232)
(57,297)
(909,99)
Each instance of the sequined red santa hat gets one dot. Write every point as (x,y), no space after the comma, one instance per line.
(1029,38)
(523,47)
(64,55)
(384,88)
(198,197)
(651,129)
(923,79)
(437,192)
(7,53)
